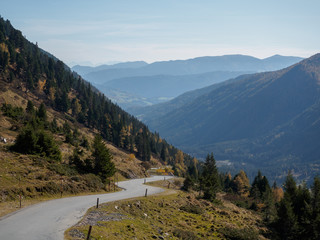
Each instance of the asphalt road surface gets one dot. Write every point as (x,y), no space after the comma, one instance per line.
(49,220)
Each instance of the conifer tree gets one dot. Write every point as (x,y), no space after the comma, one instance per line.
(47,146)
(210,183)
(260,187)
(30,107)
(315,220)
(286,222)
(188,183)
(42,113)
(103,166)
(163,154)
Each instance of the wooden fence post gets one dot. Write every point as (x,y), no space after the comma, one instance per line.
(89,233)
(146,192)
(20,190)
(97,202)
(61,187)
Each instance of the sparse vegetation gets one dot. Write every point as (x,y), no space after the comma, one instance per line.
(179,215)
(65,137)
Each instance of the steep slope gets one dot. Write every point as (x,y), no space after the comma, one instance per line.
(151,113)
(263,118)
(49,117)
(161,88)
(167,86)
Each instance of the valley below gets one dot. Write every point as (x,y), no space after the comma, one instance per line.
(211,147)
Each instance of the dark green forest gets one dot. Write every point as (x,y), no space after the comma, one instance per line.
(290,212)
(53,82)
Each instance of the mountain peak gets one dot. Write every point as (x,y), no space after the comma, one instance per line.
(312,65)
(314,59)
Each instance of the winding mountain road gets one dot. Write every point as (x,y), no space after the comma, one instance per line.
(49,220)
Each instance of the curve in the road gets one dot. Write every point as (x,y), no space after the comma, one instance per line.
(49,220)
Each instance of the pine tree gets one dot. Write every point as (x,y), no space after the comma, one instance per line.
(163,154)
(42,113)
(290,188)
(76,160)
(26,141)
(255,190)
(260,187)
(315,220)
(103,166)
(303,212)
(30,107)
(47,146)
(210,183)
(269,209)
(193,169)
(286,223)
(188,183)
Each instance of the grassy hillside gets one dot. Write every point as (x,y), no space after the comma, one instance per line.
(49,117)
(36,177)
(25,67)
(171,215)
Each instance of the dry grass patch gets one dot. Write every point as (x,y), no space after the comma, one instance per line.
(176,216)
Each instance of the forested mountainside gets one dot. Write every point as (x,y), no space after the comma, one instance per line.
(267,120)
(159,88)
(168,86)
(28,69)
(151,113)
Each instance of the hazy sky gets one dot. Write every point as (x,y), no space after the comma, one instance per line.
(104,31)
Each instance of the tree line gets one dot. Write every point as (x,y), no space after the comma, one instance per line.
(26,66)
(291,211)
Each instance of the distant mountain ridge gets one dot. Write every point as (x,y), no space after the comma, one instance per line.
(158,82)
(149,113)
(198,65)
(167,86)
(82,70)
(259,120)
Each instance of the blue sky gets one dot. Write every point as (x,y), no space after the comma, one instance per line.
(96,32)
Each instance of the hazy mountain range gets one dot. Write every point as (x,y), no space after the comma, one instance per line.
(135,84)
(82,70)
(266,120)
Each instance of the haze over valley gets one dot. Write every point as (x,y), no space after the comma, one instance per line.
(213,105)
(137,84)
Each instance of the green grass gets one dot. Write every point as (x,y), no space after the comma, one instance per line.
(176,216)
